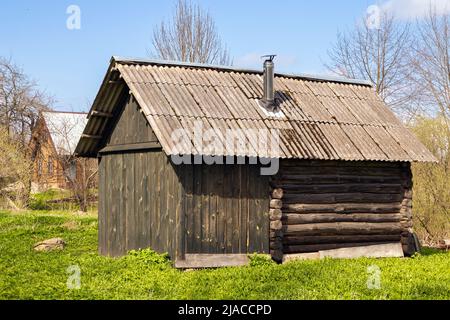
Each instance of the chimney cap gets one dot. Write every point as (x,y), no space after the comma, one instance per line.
(269,56)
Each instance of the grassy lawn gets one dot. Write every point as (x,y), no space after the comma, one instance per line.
(25,274)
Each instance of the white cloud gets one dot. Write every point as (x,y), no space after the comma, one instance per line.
(411,9)
(253,60)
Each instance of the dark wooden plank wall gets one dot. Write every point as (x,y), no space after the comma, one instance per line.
(139,203)
(226,209)
(328,204)
(131,126)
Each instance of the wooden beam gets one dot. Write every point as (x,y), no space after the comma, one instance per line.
(115,81)
(101,114)
(196,261)
(88,136)
(131,147)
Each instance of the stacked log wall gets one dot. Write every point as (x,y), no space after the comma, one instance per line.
(336,204)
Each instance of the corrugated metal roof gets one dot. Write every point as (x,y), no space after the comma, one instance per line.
(65,129)
(326,119)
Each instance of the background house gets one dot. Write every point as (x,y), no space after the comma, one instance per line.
(344,178)
(53,143)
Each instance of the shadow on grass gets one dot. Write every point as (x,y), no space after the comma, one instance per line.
(427,251)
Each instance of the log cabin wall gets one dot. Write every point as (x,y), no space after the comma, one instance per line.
(320,205)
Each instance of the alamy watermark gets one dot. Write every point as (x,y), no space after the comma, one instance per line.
(227,146)
(373,277)
(74,279)
(73,21)
(373,17)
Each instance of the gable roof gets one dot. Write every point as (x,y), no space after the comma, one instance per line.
(321,118)
(65,129)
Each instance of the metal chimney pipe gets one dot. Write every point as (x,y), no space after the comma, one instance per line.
(269,94)
(268,100)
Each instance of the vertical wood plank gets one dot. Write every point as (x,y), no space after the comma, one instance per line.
(221,211)
(243,212)
(101,207)
(189,207)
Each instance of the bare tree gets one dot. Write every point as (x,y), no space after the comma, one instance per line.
(20,102)
(430,61)
(378,54)
(15,171)
(190,36)
(79,173)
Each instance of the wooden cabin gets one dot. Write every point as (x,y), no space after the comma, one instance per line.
(52,144)
(343,162)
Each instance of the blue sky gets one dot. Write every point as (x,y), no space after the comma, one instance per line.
(70,64)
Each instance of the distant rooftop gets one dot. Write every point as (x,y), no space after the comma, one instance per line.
(65,129)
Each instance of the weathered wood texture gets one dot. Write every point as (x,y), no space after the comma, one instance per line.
(206,260)
(226,209)
(147,201)
(139,203)
(330,204)
(131,126)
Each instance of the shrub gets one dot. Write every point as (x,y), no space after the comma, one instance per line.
(258,260)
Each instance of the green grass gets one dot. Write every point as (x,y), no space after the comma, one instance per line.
(25,274)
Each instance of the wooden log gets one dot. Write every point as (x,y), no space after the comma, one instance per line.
(328,179)
(407,203)
(276,245)
(275,214)
(276,204)
(343,208)
(408,194)
(297,240)
(277,193)
(276,234)
(342,228)
(335,163)
(276,225)
(385,188)
(341,171)
(293,218)
(329,246)
(336,198)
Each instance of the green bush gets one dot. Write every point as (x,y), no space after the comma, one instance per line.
(258,260)
(150,257)
(39,201)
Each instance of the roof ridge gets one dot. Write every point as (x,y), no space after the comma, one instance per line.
(304,76)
